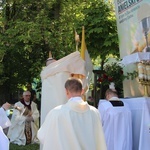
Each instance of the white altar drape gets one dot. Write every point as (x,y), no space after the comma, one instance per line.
(140,109)
(54,77)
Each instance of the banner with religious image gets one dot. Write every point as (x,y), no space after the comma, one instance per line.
(133,23)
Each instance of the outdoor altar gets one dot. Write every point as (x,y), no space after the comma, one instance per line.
(140,121)
(133,25)
(140,86)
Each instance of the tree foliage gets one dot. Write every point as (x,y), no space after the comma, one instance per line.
(30,29)
(101,31)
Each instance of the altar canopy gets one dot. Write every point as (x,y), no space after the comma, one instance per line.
(54,77)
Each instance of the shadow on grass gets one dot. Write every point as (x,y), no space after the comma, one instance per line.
(26,147)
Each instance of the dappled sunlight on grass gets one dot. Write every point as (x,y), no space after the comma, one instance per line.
(26,147)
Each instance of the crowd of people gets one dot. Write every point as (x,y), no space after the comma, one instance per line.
(75,125)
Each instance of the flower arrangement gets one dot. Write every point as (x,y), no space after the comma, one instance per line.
(113,72)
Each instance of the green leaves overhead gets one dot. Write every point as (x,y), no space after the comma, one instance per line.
(30,29)
(101,31)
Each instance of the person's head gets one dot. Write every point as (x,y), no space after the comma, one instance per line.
(49,61)
(110,93)
(27,96)
(73,87)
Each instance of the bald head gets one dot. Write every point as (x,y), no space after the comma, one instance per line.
(111,93)
(27,96)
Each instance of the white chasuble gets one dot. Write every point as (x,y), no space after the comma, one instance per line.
(4,142)
(4,123)
(72,126)
(16,131)
(4,120)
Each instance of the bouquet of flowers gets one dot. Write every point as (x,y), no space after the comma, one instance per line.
(113,72)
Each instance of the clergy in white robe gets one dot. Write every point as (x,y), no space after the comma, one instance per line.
(117,124)
(53,78)
(4,120)
(4,142)
(74,125)
(4,123)
(24,118)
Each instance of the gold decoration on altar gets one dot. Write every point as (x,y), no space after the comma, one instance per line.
(144,75)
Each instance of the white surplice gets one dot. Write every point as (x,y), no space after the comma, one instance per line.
(4,120)
(117,125)
(72,126)
(4,142)
(54,77)
(4,123)
(16,132)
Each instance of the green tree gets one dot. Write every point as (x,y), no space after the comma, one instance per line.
(25,38)
(101,30)
(101,35)
(30,29)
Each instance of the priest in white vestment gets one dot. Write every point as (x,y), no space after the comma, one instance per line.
(74,125)
(54,77)
(4,123)
(116,121)
(25,121)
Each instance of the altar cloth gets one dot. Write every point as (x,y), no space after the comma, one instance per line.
(135,57)
(140,109)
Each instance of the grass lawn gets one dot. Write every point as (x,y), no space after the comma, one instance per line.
(26,147)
